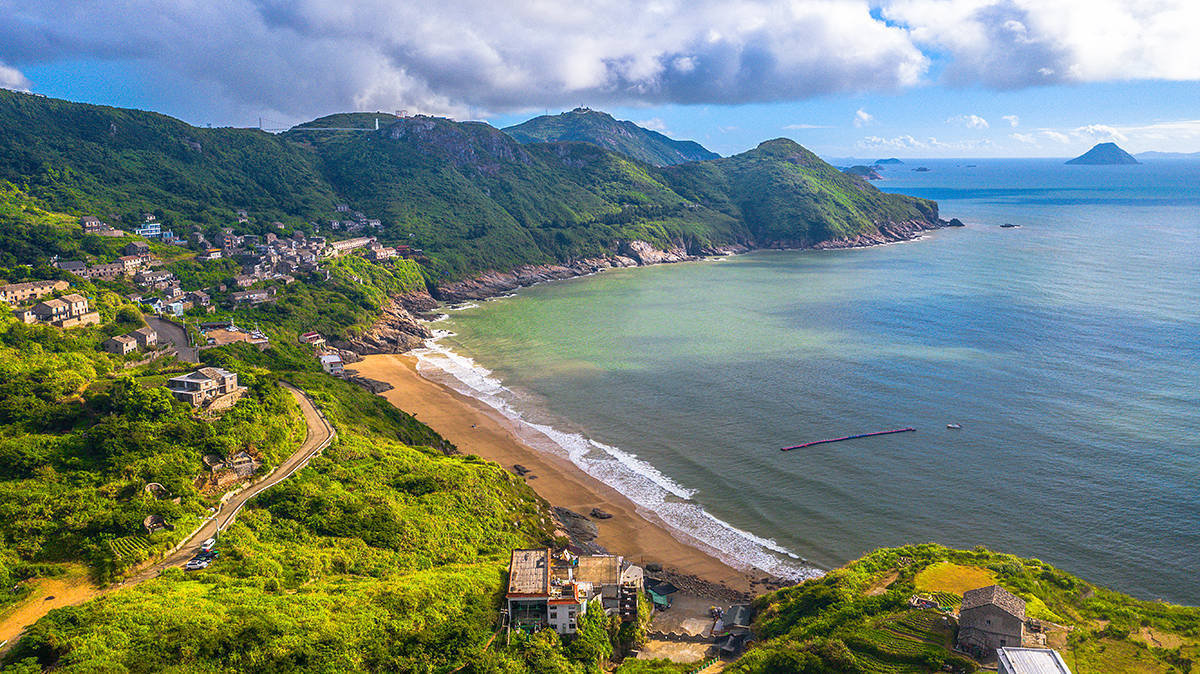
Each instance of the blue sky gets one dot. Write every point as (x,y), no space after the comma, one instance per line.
(846,78)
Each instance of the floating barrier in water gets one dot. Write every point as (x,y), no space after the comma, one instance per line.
(848,437)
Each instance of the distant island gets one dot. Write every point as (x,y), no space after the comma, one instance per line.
(861,171)
(1167,155)
(1104,154)
(886,162)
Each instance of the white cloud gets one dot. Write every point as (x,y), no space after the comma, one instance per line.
(794,127)
(935,146)
(1017,43)
(654,124)
(11,78)
(863,118)
(1026,138)
(969,121)
(471,57)
(1055,136)
(1100,132)
(1013,120)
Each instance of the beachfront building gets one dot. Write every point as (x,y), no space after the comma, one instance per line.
(990,618)
(1030,661)
(332,364)
(547,589)
(203,385)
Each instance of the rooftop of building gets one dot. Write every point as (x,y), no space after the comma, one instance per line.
(1031,661)
(996,596)
(529,572)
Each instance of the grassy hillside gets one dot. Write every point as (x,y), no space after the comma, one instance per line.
(467,194)
(856,619)
(786,195)
(90,159)
(598,128)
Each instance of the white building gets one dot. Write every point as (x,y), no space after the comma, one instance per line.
(332,364)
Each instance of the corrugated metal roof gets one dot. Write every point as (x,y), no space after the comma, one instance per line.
(1031,661)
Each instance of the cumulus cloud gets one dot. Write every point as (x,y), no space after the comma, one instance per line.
(1013,120)
(1018,43)
(969,121)
(1026,138)
(477,57)
(1100,132)
(11,78)
(863,118)
(471,57)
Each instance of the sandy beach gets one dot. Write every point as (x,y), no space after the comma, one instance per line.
(477,429)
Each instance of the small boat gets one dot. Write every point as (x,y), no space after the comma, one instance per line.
(954,427)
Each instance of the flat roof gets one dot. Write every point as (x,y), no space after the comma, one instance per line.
(529,572)
(599,569)
(1031,661)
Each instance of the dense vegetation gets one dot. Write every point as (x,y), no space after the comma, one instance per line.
(582,125)
(469,195)
(81,438)
(856,619)
(385,554)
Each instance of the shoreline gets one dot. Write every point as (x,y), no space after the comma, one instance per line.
(476,428)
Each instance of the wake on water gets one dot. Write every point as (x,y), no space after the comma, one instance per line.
(641,482)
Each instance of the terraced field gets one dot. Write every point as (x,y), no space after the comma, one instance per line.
(128,546)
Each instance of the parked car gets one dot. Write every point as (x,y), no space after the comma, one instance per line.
(208,545)
(208,556)
(195,564)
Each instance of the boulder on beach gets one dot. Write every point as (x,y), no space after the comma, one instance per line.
(600,514)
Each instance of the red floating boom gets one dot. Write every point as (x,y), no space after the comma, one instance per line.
(848,437)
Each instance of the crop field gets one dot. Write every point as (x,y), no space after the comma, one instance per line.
(128,546)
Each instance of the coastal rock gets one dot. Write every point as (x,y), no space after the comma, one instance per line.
(396,331)
(890,232)
(600,514)
(493,283)
(955,222)
(520,470)
(373,385)
(645,253)
(578,527)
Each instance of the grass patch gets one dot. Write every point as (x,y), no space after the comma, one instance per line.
(953,578)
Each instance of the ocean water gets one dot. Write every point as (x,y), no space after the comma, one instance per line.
(1068,349)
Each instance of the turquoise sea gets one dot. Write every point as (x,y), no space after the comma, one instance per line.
(1068,349)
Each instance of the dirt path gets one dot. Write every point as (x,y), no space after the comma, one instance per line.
(52,593)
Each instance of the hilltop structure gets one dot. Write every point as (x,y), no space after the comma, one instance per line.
(990,618)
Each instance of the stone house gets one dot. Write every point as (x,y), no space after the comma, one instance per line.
(990,618)
(203,385)
(120,345)
(147,338)
(16,293)
(67,311)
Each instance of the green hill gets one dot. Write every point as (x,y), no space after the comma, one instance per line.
(469,195)
(857,618)
(599,128)
(1104,154)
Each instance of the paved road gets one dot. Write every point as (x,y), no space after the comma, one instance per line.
(176,336)
(320,435)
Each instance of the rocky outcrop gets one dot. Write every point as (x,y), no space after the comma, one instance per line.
(397,330)
(891,232)
(645,253)
(493,283)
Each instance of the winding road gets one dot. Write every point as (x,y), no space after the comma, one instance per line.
(320,435)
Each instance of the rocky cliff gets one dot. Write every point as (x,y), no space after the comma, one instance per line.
(398,329)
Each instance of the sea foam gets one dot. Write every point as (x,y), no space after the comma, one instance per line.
(638,480)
